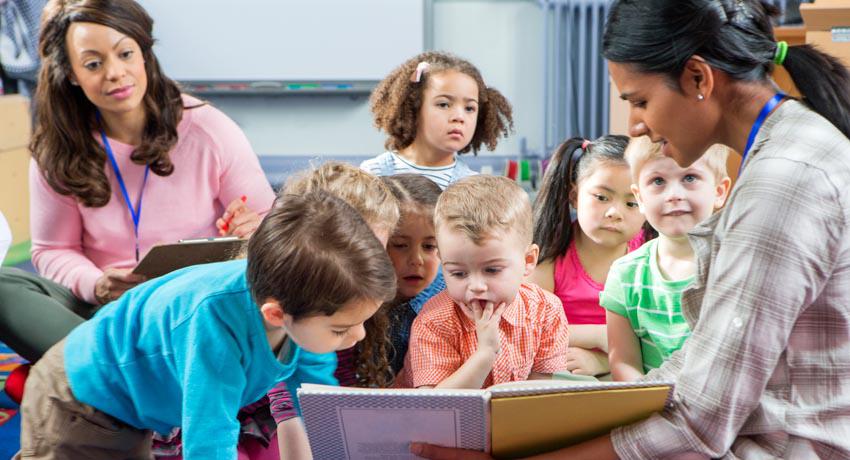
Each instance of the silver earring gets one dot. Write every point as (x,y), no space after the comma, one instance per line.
(700,97)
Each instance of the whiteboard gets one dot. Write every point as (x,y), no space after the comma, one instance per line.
(285,40)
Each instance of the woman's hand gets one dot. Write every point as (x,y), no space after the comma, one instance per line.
(446,453)
(586,362)
(114,282)
(238,220)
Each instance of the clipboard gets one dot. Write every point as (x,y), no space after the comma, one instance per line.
(165,258)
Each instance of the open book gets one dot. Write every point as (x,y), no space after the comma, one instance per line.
(509,420)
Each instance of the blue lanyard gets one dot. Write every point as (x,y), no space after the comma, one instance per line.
(765,111)
(135,213)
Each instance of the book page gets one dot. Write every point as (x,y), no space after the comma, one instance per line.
(367,436)
(380,424)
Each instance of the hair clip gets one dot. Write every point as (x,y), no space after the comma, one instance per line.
(585,144)
(420,69)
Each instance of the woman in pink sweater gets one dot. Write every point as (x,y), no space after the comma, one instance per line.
(122,161)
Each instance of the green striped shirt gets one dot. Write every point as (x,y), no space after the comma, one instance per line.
(636,289)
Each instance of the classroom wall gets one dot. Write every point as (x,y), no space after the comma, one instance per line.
(502,37)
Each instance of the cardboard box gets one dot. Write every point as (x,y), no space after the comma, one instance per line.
(828,27)
(14,165)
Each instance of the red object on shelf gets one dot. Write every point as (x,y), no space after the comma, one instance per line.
(512,169)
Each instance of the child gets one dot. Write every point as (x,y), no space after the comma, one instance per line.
(488,326)
(413,250)
(643,293)
(434,106)
(576,253)
(190,348)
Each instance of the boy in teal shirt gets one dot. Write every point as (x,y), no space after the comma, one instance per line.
(643,291)
(190,348)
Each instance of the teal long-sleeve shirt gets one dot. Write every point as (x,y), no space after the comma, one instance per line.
(187,349)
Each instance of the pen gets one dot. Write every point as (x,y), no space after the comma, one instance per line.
(227,222)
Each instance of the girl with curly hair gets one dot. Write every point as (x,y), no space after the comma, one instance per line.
(434,107)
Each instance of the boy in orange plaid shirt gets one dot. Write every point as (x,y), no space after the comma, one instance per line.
(488,326)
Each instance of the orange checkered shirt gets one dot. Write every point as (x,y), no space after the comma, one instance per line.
(533,335)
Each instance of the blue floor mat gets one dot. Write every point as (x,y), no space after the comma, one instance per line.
(10,437)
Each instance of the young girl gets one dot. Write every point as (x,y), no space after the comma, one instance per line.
(190,348)
(413,251)
(575,254)
(433,107)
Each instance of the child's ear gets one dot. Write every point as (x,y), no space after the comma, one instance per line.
(722,192)
(274,314)
(636,192)
(531,255)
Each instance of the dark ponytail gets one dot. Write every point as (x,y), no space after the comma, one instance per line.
(570,163)
(735,36)
(824,83)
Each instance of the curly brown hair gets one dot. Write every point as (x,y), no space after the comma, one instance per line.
(396,102)
(62,145)
(372,364)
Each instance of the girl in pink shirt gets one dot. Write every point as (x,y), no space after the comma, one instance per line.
(592,180)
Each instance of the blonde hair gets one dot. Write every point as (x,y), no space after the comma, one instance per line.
(364,192)
(641,150)
(481,205)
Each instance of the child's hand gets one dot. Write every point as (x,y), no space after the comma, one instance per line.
(586,362)
(486,321)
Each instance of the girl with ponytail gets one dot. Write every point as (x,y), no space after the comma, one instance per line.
(585,217)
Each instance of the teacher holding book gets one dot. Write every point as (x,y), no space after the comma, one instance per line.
(122,161)
(766,370)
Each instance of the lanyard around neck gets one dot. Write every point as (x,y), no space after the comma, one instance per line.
(135,212)
(765,111)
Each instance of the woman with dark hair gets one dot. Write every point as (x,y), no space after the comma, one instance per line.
(766,370)
(112,133)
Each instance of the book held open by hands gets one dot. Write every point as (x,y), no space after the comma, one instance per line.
(508,420)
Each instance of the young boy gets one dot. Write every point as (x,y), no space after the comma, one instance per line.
(643,292)
(488,326)
(190,348)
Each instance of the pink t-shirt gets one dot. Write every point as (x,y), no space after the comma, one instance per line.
(214,164)
(578,292)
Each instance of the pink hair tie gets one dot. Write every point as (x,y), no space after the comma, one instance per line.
(585,144)
(420,69)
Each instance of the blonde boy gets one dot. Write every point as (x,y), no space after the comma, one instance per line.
(488,326)
(643,291)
